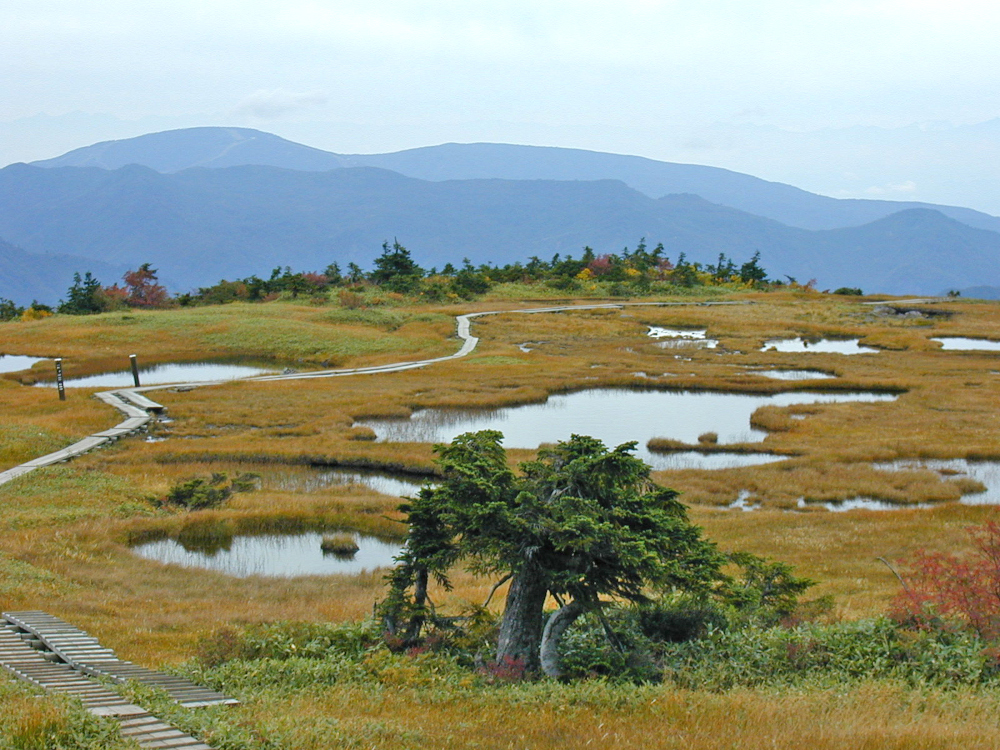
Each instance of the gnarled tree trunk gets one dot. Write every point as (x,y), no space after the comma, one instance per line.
(557,623)
(416,624)
(521,626)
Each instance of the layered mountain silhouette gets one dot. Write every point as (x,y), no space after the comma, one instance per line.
(25,277)
(211,203)
(176,150)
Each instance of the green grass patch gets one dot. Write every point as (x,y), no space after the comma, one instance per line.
(29,721)
(277,330)
(24,442)
(55,496)
(20,578)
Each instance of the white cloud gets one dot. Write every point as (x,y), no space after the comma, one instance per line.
(636,76)
(269,104)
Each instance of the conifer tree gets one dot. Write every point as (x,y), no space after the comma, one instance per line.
(580,523)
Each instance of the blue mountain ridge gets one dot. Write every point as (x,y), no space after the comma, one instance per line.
(201,224)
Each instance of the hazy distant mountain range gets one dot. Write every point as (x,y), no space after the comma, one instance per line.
(25,277)
(207,203)
(177,150)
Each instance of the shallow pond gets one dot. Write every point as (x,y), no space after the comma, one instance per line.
(853,503)
(961,343)
(861,503)
(710,461)
(308,479)
(187,372)
(822,346)
(679,338)
(987,472)
(614,416)
(274,555)
(17,362)
(658,332)
(794,374)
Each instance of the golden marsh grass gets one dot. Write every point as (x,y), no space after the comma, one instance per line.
(65,531)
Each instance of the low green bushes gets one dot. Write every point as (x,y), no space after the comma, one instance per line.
(695,651)
(55,723)
(200,494)
(838,653)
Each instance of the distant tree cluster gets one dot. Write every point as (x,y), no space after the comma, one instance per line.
(140,288)
(10,310)
(636,272)
(628,273)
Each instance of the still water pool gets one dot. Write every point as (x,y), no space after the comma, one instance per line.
(17,362)
(710,461)
(614,416)
(188,372)
(822,346)
(681,338)
(309,479)
(961,343)
(986,472)
(794,374)
(278,555)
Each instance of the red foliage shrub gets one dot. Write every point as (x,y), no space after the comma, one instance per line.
(945,590)
(116,296)
(143,291)
(507,670)
(315,280)
(600,265)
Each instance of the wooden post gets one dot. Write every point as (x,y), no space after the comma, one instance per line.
(135,369)
(59,379)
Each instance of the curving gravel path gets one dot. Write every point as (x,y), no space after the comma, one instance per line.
(139,410)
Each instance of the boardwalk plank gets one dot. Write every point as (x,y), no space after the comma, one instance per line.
(21,660)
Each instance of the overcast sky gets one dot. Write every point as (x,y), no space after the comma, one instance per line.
(733,83)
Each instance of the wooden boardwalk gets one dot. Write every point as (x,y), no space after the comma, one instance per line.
(136,409)
(58,657)
(83,653)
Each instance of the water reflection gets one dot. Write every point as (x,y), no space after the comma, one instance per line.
(190,372)
(740,503)
(678,338)
(687,344)
(794,374)
(17,362)
(961,343)
(657,332)
(614,416)
(822,346)
(711,461)
(305,479)
(986,472)
(860,503)
(273,555)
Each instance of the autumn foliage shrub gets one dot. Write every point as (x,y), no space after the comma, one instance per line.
(947,591)
(508,669)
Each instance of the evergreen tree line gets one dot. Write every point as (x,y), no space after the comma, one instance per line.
(627,273)
(630,272)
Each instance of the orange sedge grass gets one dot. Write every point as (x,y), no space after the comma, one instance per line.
(66,532)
